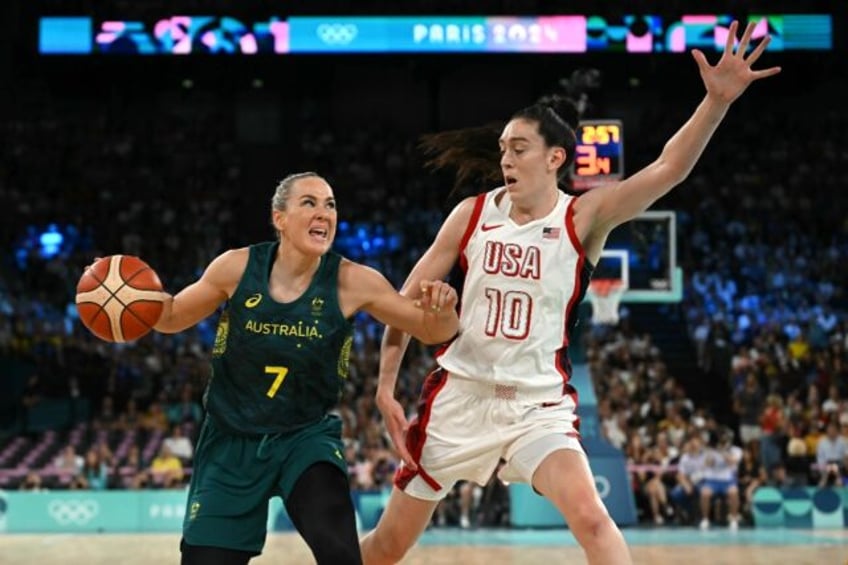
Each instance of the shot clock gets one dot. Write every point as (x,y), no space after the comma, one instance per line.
(599,156)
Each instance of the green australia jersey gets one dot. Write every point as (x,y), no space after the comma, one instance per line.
(277,367)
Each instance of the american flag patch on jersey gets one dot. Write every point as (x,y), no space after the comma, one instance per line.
(550,233)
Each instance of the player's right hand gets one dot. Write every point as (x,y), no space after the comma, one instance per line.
(397,426)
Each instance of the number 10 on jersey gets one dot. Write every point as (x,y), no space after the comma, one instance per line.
(509,313)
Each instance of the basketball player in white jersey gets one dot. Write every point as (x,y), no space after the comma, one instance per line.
(527,248)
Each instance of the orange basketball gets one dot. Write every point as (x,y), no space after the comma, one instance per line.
(119,298)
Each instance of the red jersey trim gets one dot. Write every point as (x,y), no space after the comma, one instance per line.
(570,309)
(417,433)
(469,230)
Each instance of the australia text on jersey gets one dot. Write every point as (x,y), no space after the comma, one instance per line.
(300,329)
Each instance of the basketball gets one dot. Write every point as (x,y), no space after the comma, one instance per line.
(119,298)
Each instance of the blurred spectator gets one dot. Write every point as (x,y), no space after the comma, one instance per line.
(179,444)
(833,403)
(94,474)
(751,475)
(134,472)
(187,410)
(690,473)
(155,419)
(166,469)
(797,458)
(749,404)
(69,461)
(831,454)
(363,473)
(648,471)
(32,482)
(772,424)
(721,463)
(777,477)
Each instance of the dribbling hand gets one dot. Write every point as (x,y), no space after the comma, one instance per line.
(729,78)
(90,265)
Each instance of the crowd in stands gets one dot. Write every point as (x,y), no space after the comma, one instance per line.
(764,257)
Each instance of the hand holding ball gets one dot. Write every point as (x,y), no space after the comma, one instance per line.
(119,298)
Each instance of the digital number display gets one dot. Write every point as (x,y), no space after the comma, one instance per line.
(599,155)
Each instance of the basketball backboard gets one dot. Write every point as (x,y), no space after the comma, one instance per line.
(643,252)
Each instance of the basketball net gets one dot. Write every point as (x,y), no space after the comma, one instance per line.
(605,296)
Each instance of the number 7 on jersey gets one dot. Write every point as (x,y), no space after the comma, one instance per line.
(280,375)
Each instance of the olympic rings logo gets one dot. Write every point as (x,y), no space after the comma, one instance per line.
(337,34)
(79,512)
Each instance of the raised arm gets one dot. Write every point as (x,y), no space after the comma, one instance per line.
(617,203)
(200,299)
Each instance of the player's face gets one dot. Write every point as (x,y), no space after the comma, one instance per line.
(309,220)
(527,164)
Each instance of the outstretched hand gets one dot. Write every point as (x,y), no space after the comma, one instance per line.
(729,78)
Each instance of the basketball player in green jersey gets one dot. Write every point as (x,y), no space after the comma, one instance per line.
(278,364)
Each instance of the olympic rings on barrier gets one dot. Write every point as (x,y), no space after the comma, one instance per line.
(602,484)
(79,512)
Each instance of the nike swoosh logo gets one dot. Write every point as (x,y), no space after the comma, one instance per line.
(485,227)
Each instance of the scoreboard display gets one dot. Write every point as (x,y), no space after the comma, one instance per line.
(599,155)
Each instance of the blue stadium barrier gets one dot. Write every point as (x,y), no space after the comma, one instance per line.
(85,511)
(801,507)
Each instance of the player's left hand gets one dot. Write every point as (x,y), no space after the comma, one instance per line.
(729,78)
(90,265)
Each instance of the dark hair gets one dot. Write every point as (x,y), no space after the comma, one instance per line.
(557,118)
(473,152)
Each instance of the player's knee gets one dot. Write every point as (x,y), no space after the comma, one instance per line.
(589,519)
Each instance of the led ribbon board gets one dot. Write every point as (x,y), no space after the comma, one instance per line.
(225,35)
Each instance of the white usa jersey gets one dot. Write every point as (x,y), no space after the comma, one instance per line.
(523,285)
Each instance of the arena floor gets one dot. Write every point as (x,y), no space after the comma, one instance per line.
(482,547)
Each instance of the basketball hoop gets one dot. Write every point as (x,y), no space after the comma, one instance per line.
(605,296)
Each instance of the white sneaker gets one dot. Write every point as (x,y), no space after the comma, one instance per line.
(464,522)
(734,523)
(704,525)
